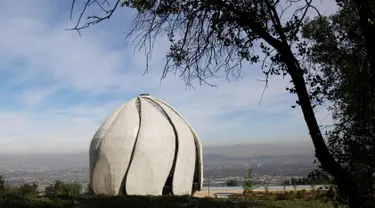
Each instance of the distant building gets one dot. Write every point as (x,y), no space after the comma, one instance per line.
(145,148)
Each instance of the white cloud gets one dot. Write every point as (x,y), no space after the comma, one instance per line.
(35,96)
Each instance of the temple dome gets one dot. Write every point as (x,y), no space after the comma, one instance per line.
(145,148)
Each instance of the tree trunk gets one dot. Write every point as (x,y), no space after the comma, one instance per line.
(345,182)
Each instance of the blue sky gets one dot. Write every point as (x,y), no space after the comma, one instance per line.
(56,87)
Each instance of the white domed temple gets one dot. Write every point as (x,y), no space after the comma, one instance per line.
(145,148)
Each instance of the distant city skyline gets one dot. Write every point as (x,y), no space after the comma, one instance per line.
(56,88)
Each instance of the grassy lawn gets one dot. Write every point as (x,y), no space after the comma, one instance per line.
(15,201)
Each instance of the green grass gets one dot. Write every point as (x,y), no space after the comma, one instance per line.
(15,201)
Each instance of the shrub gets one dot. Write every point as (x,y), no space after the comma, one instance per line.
(28,189)
(300,194)
(291,196)
(89,190)
(63,189)
(24,190)
(282,197)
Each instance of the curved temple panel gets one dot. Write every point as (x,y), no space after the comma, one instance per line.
(198,146)
(98,137)
(94,153)
(153,153)
(115,150)
(185,161)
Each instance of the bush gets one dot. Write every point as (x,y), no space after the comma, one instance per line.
(300,194)
(63,189)
(282,197)
(24,190)
(89,190)
(28,190)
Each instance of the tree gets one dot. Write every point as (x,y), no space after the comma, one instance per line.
(49,191)
(366,21)
(28,190)
(249,185)
(318,177)
(231,182)
(2,185)
(88,190)
(285,184)
(294,183)
(207,36)
(346,80)
(23,190)
(63,189)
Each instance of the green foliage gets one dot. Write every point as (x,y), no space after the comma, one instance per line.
(89,190)
(300,194)
(345,79)
(25,190)
(63,189)
(282,197)
(314,178)
(317,177)
(249,184)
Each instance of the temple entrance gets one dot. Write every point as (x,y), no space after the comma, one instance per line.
(167,190)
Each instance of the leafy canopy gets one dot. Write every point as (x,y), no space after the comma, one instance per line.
(338,55)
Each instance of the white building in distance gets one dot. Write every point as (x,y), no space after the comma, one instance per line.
(145,148)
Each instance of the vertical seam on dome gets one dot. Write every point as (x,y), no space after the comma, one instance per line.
(198,146)
(171,173)
(123,183)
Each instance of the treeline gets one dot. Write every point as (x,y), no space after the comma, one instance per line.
(313,178)
(306,181)
(290,182)
(59,188)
